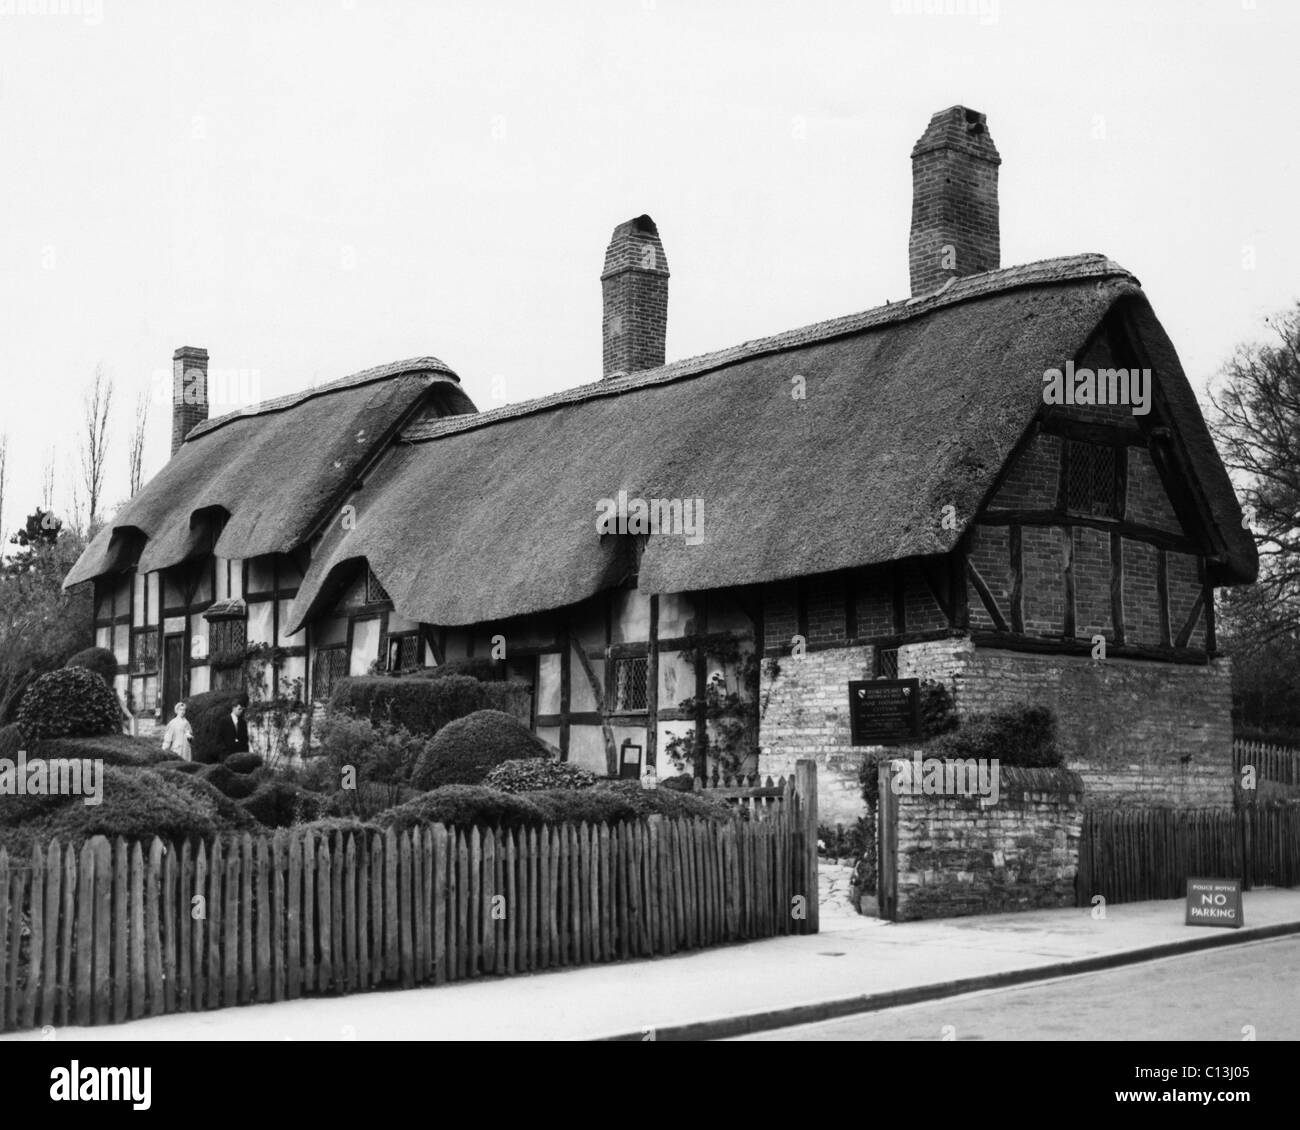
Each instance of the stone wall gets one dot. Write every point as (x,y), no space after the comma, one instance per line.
(957,857)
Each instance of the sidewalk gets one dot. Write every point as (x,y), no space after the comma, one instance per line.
(855,964)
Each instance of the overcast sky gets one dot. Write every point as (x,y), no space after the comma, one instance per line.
(310,189)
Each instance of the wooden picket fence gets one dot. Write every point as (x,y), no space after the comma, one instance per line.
(1132,854)
(114,931)
(1277,763)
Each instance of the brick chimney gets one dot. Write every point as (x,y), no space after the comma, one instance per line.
(635,287)
(189,392)
(954,200)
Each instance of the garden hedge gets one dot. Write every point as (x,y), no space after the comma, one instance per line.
(463,751)
(425,706)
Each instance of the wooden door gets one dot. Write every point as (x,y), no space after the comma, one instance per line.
(173,673)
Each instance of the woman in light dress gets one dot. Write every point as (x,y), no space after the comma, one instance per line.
(179,736)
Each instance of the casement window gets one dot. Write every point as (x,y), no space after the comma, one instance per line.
(403,651)
(1092,480)
(227,637)
(329,665)
(886,663)
(144,652)
(626,685)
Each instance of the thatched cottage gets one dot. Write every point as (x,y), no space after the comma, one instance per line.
(724,543)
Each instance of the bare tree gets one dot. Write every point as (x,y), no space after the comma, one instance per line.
(97,402)
(47,481)
(137,442)
(4,460)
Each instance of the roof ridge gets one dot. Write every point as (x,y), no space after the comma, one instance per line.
(353,380)
(1070,268)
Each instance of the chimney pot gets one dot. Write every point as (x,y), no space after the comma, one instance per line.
(189,392)
(954,200)
(634,285)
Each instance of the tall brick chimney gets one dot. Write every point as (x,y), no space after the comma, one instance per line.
(189,392)
(635,287)
(954,200)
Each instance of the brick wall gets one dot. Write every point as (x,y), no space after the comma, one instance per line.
(1125,725)
(958,857)
(804,712)
(1032,482)
(1146,500)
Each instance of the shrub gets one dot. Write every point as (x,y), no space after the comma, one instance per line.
(367,800)
(234,785)
(279,804)
(98,659)
(591,805)
(139,804)
(678,783)
(533,774)
(670,803)
(179,766)
(465,750)
(72,702)
(204,713)
(112,749)
(1022,736)
(243,762)
(230,814)
(11,740)
(465,806)
(480,667)
(424,706)
(375,751)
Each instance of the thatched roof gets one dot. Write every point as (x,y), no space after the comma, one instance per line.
(274,468)
(908,408)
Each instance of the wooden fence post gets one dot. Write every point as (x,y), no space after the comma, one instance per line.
(805,783)
(886,847)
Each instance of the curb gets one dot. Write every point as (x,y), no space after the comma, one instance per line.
(745,1023)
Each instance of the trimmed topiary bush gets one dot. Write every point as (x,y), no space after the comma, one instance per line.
(98,659)
(278,804)
(73,702)
(465,806)
(480,667)
(204,713)
(231,816)
(243,762)
(234,785)
(111,749)
(140,804)
(424,706)
(534,774)
(464,751)
(669,802)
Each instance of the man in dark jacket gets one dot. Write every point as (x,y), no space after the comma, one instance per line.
(232,732)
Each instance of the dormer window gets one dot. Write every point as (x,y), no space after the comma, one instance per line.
(1091,482)
(375,592)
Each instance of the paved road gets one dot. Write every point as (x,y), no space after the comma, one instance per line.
(1209,996)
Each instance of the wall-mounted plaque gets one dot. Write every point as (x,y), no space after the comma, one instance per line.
(885,711)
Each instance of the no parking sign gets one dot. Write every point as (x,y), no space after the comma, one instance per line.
(1213,902)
